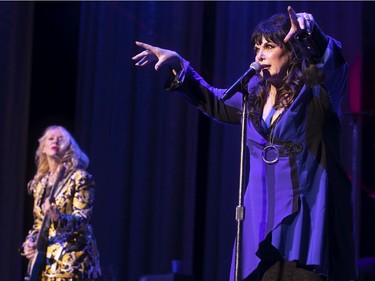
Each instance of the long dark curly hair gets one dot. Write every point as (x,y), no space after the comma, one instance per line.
(299,72)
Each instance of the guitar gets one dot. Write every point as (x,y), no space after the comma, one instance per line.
(37,263)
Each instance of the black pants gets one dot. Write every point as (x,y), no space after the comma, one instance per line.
(274,268)
(289,271)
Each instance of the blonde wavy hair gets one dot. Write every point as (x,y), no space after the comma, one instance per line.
(73,156)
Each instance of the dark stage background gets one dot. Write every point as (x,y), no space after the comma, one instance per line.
(167,176)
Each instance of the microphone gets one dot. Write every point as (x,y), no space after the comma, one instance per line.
(242,81)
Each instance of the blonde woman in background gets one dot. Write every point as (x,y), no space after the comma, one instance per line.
(71,252)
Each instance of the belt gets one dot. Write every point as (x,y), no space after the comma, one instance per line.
(272,152)
(289,149)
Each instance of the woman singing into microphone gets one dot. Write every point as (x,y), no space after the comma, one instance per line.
(298,208)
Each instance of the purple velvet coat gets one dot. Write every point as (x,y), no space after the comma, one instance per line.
(302,203)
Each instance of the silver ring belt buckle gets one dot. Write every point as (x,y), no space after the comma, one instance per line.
(271,153)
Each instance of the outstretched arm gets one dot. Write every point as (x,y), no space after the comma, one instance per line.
(189,83)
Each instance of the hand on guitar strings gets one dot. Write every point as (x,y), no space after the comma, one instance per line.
(29,249)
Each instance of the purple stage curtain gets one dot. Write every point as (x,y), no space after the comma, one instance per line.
(15,77)
(166,175)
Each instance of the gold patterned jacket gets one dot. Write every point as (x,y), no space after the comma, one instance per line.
(71,252)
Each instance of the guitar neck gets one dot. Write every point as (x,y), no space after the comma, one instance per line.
(41,241)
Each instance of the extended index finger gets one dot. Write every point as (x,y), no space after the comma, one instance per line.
(292,16)
(145,46)
(293,23)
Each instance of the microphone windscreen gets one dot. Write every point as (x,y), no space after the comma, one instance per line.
(256,66)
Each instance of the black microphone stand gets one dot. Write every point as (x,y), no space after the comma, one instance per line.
(241,85)
(240,209)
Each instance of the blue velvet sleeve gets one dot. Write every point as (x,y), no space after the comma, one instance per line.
(206,98)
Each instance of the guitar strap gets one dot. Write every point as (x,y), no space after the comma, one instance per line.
(62,184)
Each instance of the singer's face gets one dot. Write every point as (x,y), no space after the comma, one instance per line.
(54,143)
(273,58)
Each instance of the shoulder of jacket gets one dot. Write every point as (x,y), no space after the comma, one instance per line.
(80,175)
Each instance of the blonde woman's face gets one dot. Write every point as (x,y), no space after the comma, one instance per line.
(54,145)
